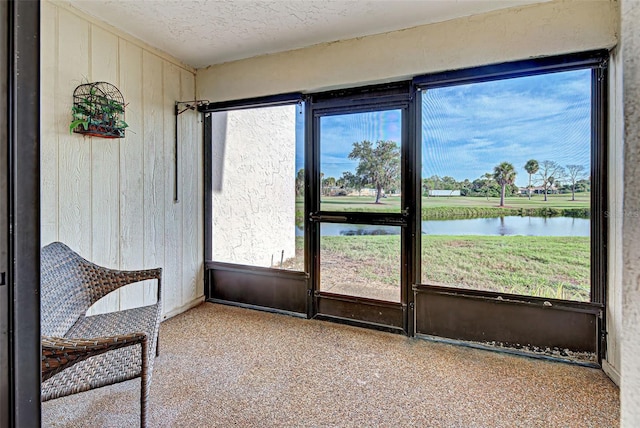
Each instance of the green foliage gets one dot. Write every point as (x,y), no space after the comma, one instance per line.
(531,167)
(99,113)
(440,183)
(484,186)
(379,164)
(300,182)
(504,174)
(551,176)
(327,184)
(78,122)
(352,181)
(460,213)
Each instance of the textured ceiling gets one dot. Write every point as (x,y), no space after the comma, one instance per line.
(205,32)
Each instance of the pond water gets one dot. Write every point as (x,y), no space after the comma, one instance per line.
(500,226)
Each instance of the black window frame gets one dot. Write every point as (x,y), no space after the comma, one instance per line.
(386,316)
(263,288)
(221,106)
(539,317)
(597,61)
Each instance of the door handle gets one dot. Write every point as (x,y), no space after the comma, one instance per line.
(318,217)
(333,217)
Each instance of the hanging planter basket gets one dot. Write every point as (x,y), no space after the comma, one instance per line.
(98,111)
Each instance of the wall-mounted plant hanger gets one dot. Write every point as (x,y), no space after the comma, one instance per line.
(98,111)
(181,107)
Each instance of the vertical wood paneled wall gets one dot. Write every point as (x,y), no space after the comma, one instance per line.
(111,200)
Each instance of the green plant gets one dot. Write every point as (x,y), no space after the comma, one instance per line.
(104,111)
(98,110)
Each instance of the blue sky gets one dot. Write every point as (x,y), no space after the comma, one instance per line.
(468,129)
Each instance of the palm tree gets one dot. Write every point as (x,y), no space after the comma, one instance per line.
(486,185)
(531,167)
(504,174)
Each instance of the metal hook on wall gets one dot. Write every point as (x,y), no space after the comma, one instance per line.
(181,107)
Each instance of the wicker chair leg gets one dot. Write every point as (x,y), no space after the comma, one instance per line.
(144,384)
(158,346)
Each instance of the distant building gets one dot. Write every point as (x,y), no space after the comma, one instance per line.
(538,190)
(365,192)
(444,192)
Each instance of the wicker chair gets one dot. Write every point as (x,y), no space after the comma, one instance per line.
(82,352)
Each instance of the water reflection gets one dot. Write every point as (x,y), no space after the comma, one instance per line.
(508,226)
(502,226)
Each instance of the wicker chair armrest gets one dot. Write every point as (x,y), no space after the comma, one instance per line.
(60,353)
(106,280)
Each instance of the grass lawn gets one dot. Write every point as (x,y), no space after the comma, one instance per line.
(544,266)
(553,267)
(360,203)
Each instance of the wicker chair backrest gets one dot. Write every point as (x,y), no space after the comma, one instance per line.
(64,295)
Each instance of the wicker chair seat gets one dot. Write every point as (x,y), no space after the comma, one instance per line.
(80,353)
(110,367)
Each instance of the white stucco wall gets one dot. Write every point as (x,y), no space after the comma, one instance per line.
(630,382)
(112,200)
(254,185)
(538,30)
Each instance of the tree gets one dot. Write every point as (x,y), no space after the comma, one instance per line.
(465,187)
(300,182)
(352,181)
(378,165)
(531,167)
(504,174)
(328,183)
(549,172)
(583,185)
(575,173)
(449,183)
(431,183)
(487,183)
(485,186)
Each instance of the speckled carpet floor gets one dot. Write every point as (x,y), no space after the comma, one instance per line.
(223,366)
